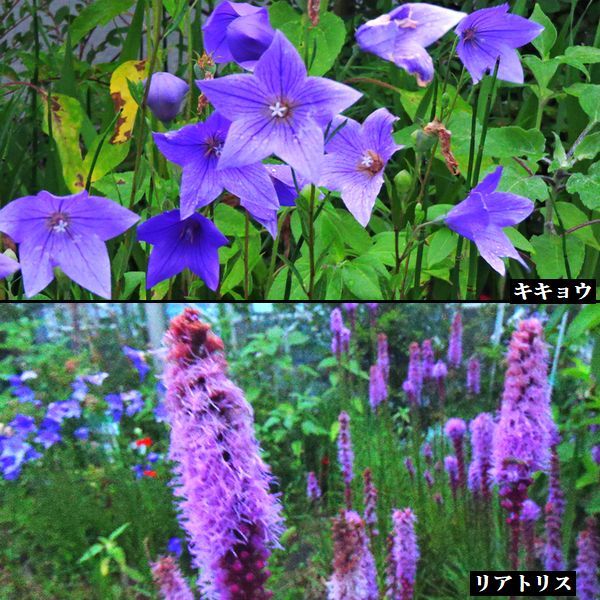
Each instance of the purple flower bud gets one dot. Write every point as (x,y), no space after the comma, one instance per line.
(165,95)
(440,371)
(82,433)
(427,452)
(428,478)
(455,429)
(451,466)
(428,359)
(383,358)
(346,455)
(354,574)
(378,392)
(345,339)
(530,513)
(409,389)
(588,560)
(596,454)
(415,372)
(169,580)
(482,433)
(373,307)
(554,510)
(404,553)
(370,500)
(336,321)
(351,308)
(455,343)
(239,32)
(410,466)
(174,546)
(313,491)
(473,376)
(231,518)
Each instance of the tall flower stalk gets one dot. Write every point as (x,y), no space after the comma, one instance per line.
(346,456)
(588,561)
(455,343)
(522,438)
(169,581)
(370,502)
(404,555)
(455,429)
(231,518)
(482,432)
(554,511)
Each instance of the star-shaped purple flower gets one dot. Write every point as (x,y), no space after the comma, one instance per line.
(492,33)
(239,32)
(197,148)
(355,160)
(193,243)
(67,232)
(482,215)
(402,35)
(277,110)
(7,266)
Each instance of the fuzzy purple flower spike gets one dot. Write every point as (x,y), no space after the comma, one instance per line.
(231,518)
(313,491)
(473,376)
(346,456)
(404,554)
(588,561)
(169,579)
(455,429)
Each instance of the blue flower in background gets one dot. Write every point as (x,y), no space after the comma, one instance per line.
(134,401)
(82,433)
(80,389)
(48,433)
(96,378)
(23,425)
(138,358)
(174,546)
(115,406)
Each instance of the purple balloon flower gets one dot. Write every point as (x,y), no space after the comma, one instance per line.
(82,433)
(48,433)
(490,34)
(238,32)
(8,266)
(165,95)
(278,110)
(67,232)
(355,160)
(482,215)
(197,149)
(138,358)
(193,243)
(283,181)
(23,425)
(402,35)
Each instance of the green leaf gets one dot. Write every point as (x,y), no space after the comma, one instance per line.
(335,283)
(131,46)
(545,41)
(229,221)
(589,98)
(118,531)
(586,320)
(100,12)
(134,280)
(132,573)
(296,448)
(518,239)
(311,428)
(584,54)
(363,285)
(543,70)
(334,430)
(572,216)
(441,244)
(588,148)
(587,186)
(91,552)
(517,181)
(515,141)
(549,257)
(118,554)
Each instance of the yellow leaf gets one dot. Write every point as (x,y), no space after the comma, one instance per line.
(134,71)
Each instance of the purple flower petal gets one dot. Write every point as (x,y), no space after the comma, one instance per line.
(7,266)
(193,243)
(248,140)
(252,185)
(200,184)
(237,96)
(249,37)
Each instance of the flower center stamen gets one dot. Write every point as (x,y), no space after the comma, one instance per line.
(58,222)
(469,34)
(278,109)
(370,162)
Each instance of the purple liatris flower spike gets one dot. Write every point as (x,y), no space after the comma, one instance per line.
(482,216)
(530,513)
(165,95)
(522,437)
(596,454)
(490,34)
(351,308)
(337,326)
(455,342)
(346,455)
(378,392)
(238,32)
(415,372)
(373,307)
(8,266)
(428,478)
(473,376)
(192,243)
(231,518)
(356,158)
(455,429)
(402,35)
(427,360)
(451,466)
(345,340)
(554,511)
(427,452)
(482,433)
(370,502)
(354,575)
(198,150)
(411,396)
(410,466)
(383,358)
(278,110)
(404,553)
(440,372)
(313,491)
(588,561)
(67,232)
(169,580)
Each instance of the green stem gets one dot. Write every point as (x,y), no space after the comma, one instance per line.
(246,257)
(34,82)
(311,242)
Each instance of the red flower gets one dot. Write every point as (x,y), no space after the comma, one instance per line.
(144,442)
(150,473)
